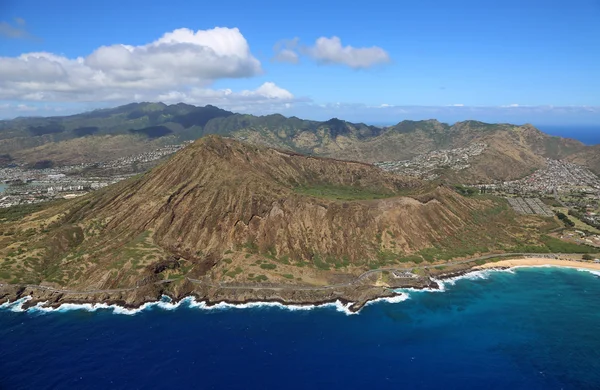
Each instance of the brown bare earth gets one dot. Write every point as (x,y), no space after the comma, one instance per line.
(224,220)
(512,151)
(589,157)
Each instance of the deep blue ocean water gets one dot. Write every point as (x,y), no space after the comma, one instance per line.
(589,135)
(531,329)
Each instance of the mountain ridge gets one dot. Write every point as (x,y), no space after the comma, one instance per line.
(140,127)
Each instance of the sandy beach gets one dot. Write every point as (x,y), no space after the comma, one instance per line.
(540,262)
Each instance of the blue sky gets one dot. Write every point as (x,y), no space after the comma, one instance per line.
(374,61)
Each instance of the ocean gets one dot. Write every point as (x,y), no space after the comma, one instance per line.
(589,135)
(525,329)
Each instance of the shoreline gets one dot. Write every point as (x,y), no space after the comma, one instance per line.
(38,299)
(532,262)
(25,304)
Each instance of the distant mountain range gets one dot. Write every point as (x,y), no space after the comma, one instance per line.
(511,151)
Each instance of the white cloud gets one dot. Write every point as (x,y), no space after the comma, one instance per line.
(266,98)
(272,91)
(330,51)
(285,51)
(18,107)
(287,55)
(178,60)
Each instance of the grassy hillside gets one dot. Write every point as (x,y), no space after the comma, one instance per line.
(229,211)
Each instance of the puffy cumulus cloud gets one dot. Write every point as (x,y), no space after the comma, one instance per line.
(330,51)
(267,98)
(271,91)
(179,59)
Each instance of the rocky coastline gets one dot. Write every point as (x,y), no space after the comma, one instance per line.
(354,297)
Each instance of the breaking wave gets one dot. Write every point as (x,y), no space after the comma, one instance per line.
(166,303)
(484,274)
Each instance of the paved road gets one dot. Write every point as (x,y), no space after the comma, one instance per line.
(368,273)
(113,290)
(292,287)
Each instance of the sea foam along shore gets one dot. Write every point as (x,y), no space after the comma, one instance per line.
(484,271)
(541,262)
(166,303)
(450,281)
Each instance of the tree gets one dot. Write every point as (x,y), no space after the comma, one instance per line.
(587,257)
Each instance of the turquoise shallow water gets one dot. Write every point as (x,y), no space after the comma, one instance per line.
(531,329)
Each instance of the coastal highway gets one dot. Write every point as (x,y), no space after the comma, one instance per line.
(295,287)
(368,273)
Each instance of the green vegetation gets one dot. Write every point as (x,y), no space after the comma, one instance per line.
(551,202)
(411,259)
(334,192)
(565,219)
(574,220)
(268,266)
(384,258)
(466,191)
(451,252)
(235,272)
(141,240)
(251,246)
(577,218)
(553,245)
(320,264)
(259,278)
(16,213)
(283,260)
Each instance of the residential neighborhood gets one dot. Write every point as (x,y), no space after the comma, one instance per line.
(22,185)
(425,165)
